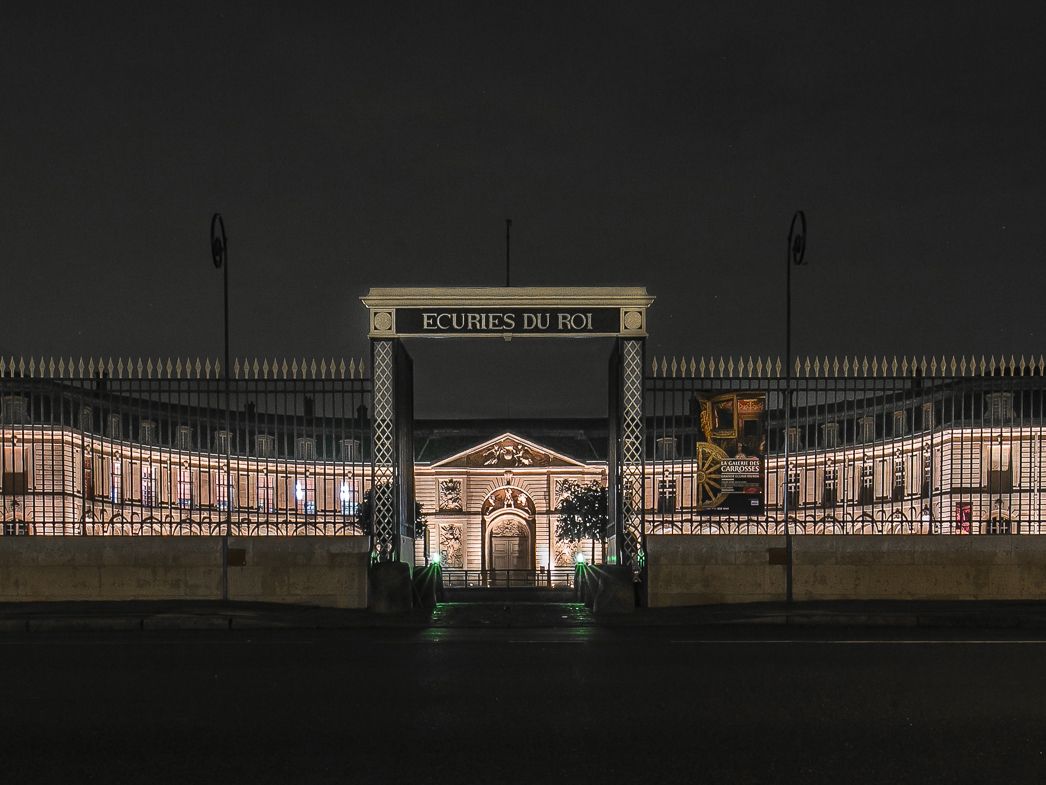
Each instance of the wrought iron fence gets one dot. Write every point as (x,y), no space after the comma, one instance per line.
(874,446)
(138,448)
(553,578)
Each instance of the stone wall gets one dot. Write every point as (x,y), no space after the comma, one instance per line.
(330,571)
(704,570)
(903,567)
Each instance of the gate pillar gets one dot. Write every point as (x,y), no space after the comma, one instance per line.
(392,518)
(625,539)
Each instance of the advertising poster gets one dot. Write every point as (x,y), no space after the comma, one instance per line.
(731,459)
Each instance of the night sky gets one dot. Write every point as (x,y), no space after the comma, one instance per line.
(353,145)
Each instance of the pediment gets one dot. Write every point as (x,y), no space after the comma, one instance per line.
(507,451)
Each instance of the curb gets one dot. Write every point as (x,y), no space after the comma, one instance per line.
(186,622)
(84,624)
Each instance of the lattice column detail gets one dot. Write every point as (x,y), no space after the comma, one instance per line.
(384,519)
(632,441)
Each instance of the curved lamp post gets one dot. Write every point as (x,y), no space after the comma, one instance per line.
(220,257)
(796,257)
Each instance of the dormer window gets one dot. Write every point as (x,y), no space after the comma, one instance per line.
(927,416)
(900,423)
(305,448)
(866,429)
(183,438)
(350,450)
(222,442)
(147,432)
(999,407)
(264,446)
(14,410)
(665,448)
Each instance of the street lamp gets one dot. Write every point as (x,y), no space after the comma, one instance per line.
(220,257)
(795,256)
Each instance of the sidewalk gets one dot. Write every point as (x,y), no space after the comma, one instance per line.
(45,617)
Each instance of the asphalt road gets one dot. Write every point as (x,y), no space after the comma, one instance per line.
(517,705)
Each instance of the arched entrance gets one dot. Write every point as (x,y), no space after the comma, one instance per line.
(509,544)
(508,516)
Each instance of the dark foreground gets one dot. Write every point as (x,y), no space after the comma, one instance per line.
(573,705)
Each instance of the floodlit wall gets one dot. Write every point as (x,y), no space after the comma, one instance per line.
(329,571)
(920,568)
(705,570)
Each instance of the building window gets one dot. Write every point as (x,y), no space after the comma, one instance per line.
(224,491)
(184,488)
(998,524)
(116,481)
(830,496)
(831,434)
(898,477)
(115,427)
(148,486)
(666,495)
(305,495)
(265,488)
(867,491)
(927,470)
(793,489)
(1000,469)
(347,499)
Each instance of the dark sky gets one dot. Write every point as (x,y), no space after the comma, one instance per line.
(351,145)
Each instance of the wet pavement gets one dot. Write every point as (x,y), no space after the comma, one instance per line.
(500,695)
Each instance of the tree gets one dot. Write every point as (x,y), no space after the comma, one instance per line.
(582,512)
(365,513)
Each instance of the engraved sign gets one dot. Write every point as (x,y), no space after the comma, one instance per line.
(508,312)
(508,321)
